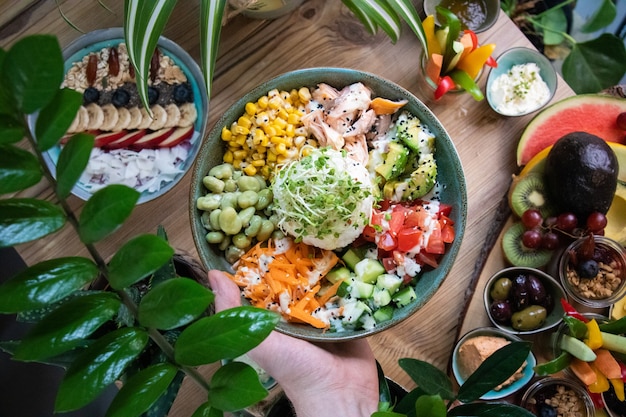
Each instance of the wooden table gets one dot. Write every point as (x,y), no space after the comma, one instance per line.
(319,33)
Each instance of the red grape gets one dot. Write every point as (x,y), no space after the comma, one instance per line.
(621,121)
(596,221)
(532,218)
(550,240)
(566,222)
(531,239)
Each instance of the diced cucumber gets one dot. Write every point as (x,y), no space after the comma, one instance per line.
(344,289)
(383,314)
(353,311)
(352,257)
(338,274)
(360,289)
(381,297)
(367,321)
(368,270)
(390,282)
(577,348)
(404,297)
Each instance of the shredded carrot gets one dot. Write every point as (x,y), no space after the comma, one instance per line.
(270,276)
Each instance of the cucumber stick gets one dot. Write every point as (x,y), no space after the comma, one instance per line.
(614,342)
(577,348)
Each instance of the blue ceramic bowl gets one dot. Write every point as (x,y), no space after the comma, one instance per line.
(527,373)
(489,11)
(520,56)
(450,174)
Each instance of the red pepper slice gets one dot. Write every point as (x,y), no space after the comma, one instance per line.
(445,84)
(571,311)
(623,369)
(473,37)
(596,398)
(491,62)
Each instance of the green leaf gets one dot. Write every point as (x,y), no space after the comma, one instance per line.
(387,414)
(431,406)
(235,386)
(601,18)
(406,10)
(489,410)
(224,335)
(174,303)
(55,119)
(68,325)
(11,130)
(451,21)
(601,60)
(25,219)
(105,211)
(370,26)
(383,16)
(211,13)
(205,410)
(142,390)
(138,258)
(144,22)
(553,23)
(44,283)
(614,326)
(495,370)
(100,365)
(73,160)
(19,169)
(33,71)
(428,377)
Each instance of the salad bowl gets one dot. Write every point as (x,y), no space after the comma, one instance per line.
(450,176)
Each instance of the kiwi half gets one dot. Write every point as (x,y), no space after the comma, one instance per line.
(519,255)
(529,192)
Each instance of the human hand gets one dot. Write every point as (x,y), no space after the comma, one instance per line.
(332,379)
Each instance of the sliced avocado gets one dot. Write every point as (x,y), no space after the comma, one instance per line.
(417,185)
(395,161)
(411,133)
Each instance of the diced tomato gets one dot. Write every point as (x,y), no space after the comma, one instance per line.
(389,264)
(369,233)
(396,221)
(387,242)
(444,209)
(408,238)
(416,217)
(426,259)
(447,233)
(435,243)
(377,217)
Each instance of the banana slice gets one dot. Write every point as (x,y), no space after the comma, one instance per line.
(135,118)
(95,115)
(146,119)
(79,124)
(123,118)
(173,115)
(159,117)
(188,115)
(111,117)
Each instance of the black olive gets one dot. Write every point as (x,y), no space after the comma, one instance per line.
(501,311)
(546,410)
(153,95)
(182,93)
(519,293)
(91,95)
(587,269)
(536,290)
(120,97)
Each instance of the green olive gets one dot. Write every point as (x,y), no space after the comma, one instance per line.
(501,289)
(530,318)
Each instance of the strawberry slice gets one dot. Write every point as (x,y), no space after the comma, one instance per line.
(126,140)
(104,139)
(180,134)
(153,139)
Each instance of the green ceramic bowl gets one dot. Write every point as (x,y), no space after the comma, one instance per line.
(449,168)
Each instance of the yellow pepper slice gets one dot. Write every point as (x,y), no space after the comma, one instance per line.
(618,387)
(429,30)
(473,62)
(602,383)
(594,336)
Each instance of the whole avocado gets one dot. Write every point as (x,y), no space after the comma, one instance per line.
(581,174)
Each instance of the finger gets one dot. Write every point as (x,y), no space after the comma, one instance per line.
(226,291)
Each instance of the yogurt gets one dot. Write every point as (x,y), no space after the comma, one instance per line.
(520,90)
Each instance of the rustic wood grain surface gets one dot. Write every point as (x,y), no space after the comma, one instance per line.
(322,33)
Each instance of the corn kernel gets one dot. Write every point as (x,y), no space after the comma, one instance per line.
(262,119)
(263,102)
(240,154)
(293,118)
(237,164)
(290,130)
(241,130)
(299,141)
(258,162)
(305,94)
(269,130)
(228,157)
(250,170)
(281,149)
(265,141)
(265,171)
(226,133)
(280,122)
(244,121)
(273,93)
(251,108)
(271,156)
(281,159)
(275,102)
(240,140)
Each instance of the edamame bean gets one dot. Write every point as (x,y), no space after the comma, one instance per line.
(247,199)
(247,183)
(215,237)
(205,219)
(229,200)
(230,222)
(265,198)
(230,185)
(246,214)
(261,180)
(266,230)
(222,171)
(255,225)
(233,253)
(241,241)
(225,243)
(214,219)
(276,234)
(213,184)
(209,202)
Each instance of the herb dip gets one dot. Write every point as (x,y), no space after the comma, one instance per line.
(520,90)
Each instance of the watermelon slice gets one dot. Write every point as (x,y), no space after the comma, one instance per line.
(591,113)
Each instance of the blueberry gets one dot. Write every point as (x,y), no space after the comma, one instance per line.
(153,95)
(120,97)
(91,95)
(587,269)
(546,410)
(182,93)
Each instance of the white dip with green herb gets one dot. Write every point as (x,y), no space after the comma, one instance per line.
(520,90)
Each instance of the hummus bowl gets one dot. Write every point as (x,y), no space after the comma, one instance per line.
(470,351)
(450,176)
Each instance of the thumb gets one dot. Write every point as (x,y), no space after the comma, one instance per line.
(226,292)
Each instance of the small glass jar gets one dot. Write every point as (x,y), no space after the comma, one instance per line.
(549,392)
(609,284)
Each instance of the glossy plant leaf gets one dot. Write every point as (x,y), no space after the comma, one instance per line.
(235,386)
(138,258)
(205,410)
(369,24)
(406,10)
(406,405)
(25,219)
(428,377)
(495,370)
(601,18)
(387,414)
(105,211)
(552,23)
(595,65)
(56,118)
(100,365)
(211,13)
(489,410)
(224,335)
(33,71)
(430,405)
(45,283)
(164,403)
(11,130)
(174,303)
(19,169)
(73,160)
(142,390)
(380,13)
(72,322)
